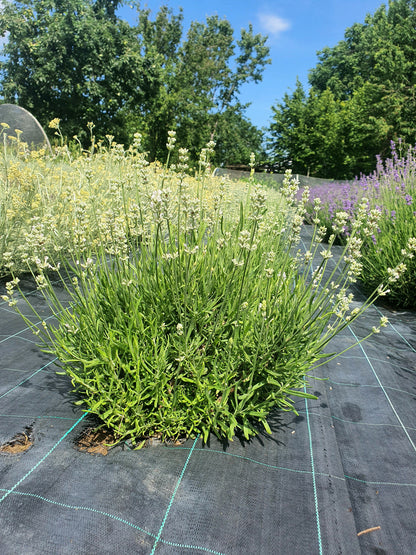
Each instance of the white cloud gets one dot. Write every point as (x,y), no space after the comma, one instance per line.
(273,24)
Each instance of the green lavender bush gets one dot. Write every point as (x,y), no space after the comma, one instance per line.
(205,322)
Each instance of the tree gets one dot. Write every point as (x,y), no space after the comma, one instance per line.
(236,138)
(368,83)
(367,131)
(376,63)
(78,61)
(200,81)
(288,142)
(158,112)
(71,60)
(324,123)
(307,132)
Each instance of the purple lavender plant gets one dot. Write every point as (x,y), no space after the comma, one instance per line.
(391,189)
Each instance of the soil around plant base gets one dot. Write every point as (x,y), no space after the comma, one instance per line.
(19,443)
(100,441)
(96,442)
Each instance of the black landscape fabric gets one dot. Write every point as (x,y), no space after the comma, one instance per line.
(339,478)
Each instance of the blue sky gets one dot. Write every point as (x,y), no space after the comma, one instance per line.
(297,29)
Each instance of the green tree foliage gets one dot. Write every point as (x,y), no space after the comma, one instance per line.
(205,77)
(288,133)
(305,132)
(69,59)
(363,89)
(236,138)
(79,61)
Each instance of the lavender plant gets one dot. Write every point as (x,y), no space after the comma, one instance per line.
(187,317)
(48,203)
(389,253)
(333,198)
(391,190)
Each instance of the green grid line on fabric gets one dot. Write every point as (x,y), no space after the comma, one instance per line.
(372,483)
(29,416)
(267,465)
(28,378)
(355,422)
(17,484)
(375,386)
(185,546)
(315,491)
(21,338)
(109,515)
(173,495)
(385,393)
(389,362)
(260,463)
(8,310)
(27,328)
(78,508)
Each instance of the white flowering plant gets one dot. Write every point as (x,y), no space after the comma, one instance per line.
(53,203)
(188,317)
